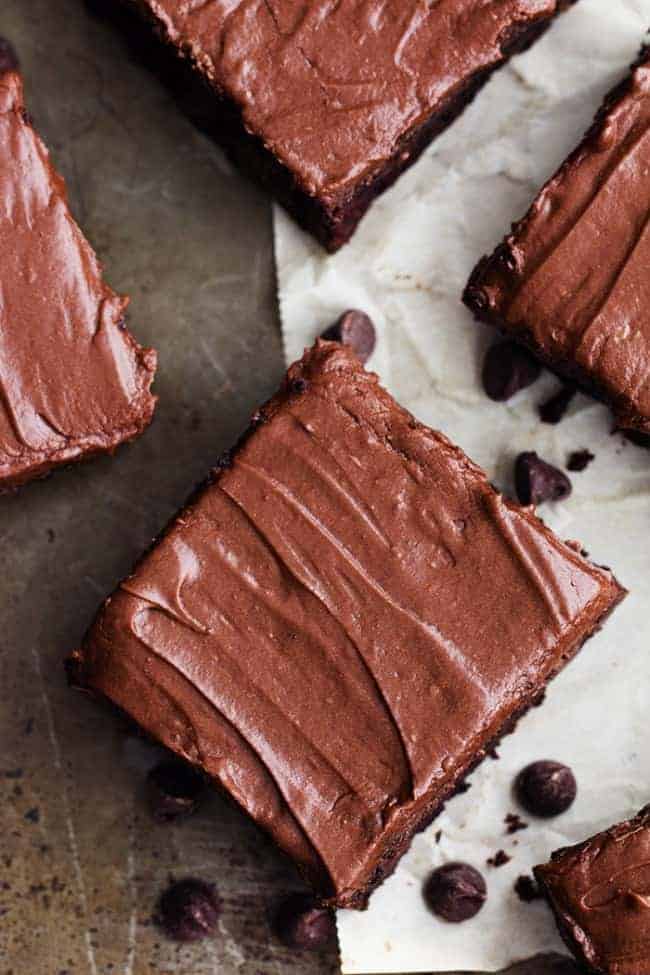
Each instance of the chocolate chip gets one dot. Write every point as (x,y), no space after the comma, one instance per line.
(507,368)
(537,481)
(499,859)
(174,789)
(526,889)
(514,823)
(300,922)
(298,386)
(8,57)
(553,410)
(579,460)
(355,329)
(546,788)
(455,892)
(188,910)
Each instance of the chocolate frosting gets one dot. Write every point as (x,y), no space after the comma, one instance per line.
(339,624)
(572,278)
(73,381)
(333,87)
(600,893)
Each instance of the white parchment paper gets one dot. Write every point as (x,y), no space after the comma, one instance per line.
(407,266)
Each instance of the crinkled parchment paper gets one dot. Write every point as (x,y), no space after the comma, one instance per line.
(407,266)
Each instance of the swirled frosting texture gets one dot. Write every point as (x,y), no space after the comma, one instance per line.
(571,280)
(340,623)
(332,86)
(73,381)
(600,893)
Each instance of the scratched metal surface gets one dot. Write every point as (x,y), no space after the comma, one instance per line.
(81,862)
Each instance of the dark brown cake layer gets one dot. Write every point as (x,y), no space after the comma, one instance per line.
(73,381)
(599,892)
(571,279)
(341,622)
(327,103)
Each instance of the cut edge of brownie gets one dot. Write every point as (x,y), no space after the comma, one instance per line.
(330,219)
(422,815)
(497,267)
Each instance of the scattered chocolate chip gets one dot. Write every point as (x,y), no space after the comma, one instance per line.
(188,910)
(546,788)
(174,789)
(33,815)
(438,835)
(537,481)
(526,889)
(455,892)
(499,859)
(8,57)
(553,410)
(355,329)
(579,460)
(463,787)
(507,368)
(300,922)
(514,823)
(493,754)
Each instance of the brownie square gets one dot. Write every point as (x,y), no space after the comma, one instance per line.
(341,623)
(326,103)
(571,280)
(73,381)
(599,891)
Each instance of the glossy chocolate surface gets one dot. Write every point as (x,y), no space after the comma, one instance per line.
(73,381)
(600,893)
(341,622)
(571,280)
(341,97)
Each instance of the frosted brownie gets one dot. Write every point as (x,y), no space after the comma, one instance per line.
(327,103)
(73,381)
(341,622)
(599,891)
(571,280)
